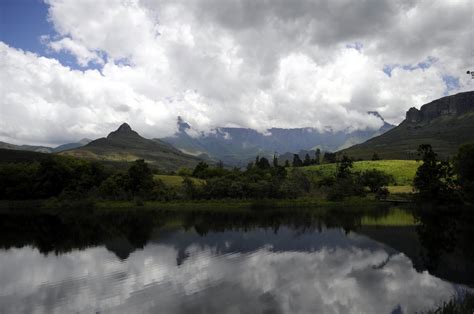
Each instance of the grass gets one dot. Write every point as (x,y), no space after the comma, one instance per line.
(176,181)
(400,189)
(402,170)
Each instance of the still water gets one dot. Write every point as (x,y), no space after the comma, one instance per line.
(141,262)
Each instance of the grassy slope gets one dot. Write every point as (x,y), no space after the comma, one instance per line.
(402,170)
(445,134)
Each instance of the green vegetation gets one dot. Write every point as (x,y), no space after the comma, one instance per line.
(434,180)
(74,183)
(465,168)
(174,181)
(461,304)
(403,171)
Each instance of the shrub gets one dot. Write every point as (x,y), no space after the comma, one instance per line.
(376,180)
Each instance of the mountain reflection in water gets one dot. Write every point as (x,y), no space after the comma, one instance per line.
(141,261)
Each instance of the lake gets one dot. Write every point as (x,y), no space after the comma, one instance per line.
(394,261)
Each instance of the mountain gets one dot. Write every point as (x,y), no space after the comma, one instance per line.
(45,149)
(445,123)
(236,146)
(125,144)
(38,149)
(64,147)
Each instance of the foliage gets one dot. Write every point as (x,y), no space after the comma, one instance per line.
(463,303)
(344,187)
(297,162)
(329,157)
(434,179)
(376,180)
(465,170)
(184,172)
(403,171)
(49,177)
(200,170)
(343,167)
(140,178)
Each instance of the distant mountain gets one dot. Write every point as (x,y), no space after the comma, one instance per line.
(38,149)
(64,147)
(445,123)
(236,146)
(45,149)
(125,144)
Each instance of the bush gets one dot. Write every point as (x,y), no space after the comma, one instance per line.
(434,179)
(184,172)
(465,169)
(345,187)
(375,180)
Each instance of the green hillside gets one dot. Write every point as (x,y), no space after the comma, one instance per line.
(402,170)
(446,124)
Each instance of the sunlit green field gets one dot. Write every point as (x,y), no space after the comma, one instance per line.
(402,170)
(175,181)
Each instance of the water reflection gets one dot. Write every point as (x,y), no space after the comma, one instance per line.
(268,263)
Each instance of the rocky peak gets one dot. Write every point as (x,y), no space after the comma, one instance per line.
(447,106)
(376,114)
(182,125)
(123,130)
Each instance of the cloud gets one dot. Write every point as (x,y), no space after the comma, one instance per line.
(329,280)
(234,63)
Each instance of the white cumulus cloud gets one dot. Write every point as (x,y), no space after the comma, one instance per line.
(257,64)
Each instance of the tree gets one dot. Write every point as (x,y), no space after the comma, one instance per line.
(297,161)
(329,157)
(465,170)
(200,170)
(375,156)
(190,189)
(433,179)
(287,163)
(317,157)
(262,163)
(114,187)
(376,180)
(140,177)
(275,160)
(307,160)
(184,172)
(343,167)
(52,178)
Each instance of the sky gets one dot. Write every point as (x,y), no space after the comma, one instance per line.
(72,69)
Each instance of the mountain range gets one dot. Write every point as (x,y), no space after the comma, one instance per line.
(45,149)
(445,123)
(236,146)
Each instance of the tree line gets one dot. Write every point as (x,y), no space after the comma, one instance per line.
(70,178)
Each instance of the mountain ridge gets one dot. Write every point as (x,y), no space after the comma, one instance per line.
(236,146)
(445,123)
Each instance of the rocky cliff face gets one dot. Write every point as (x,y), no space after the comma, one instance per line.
(452,105)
